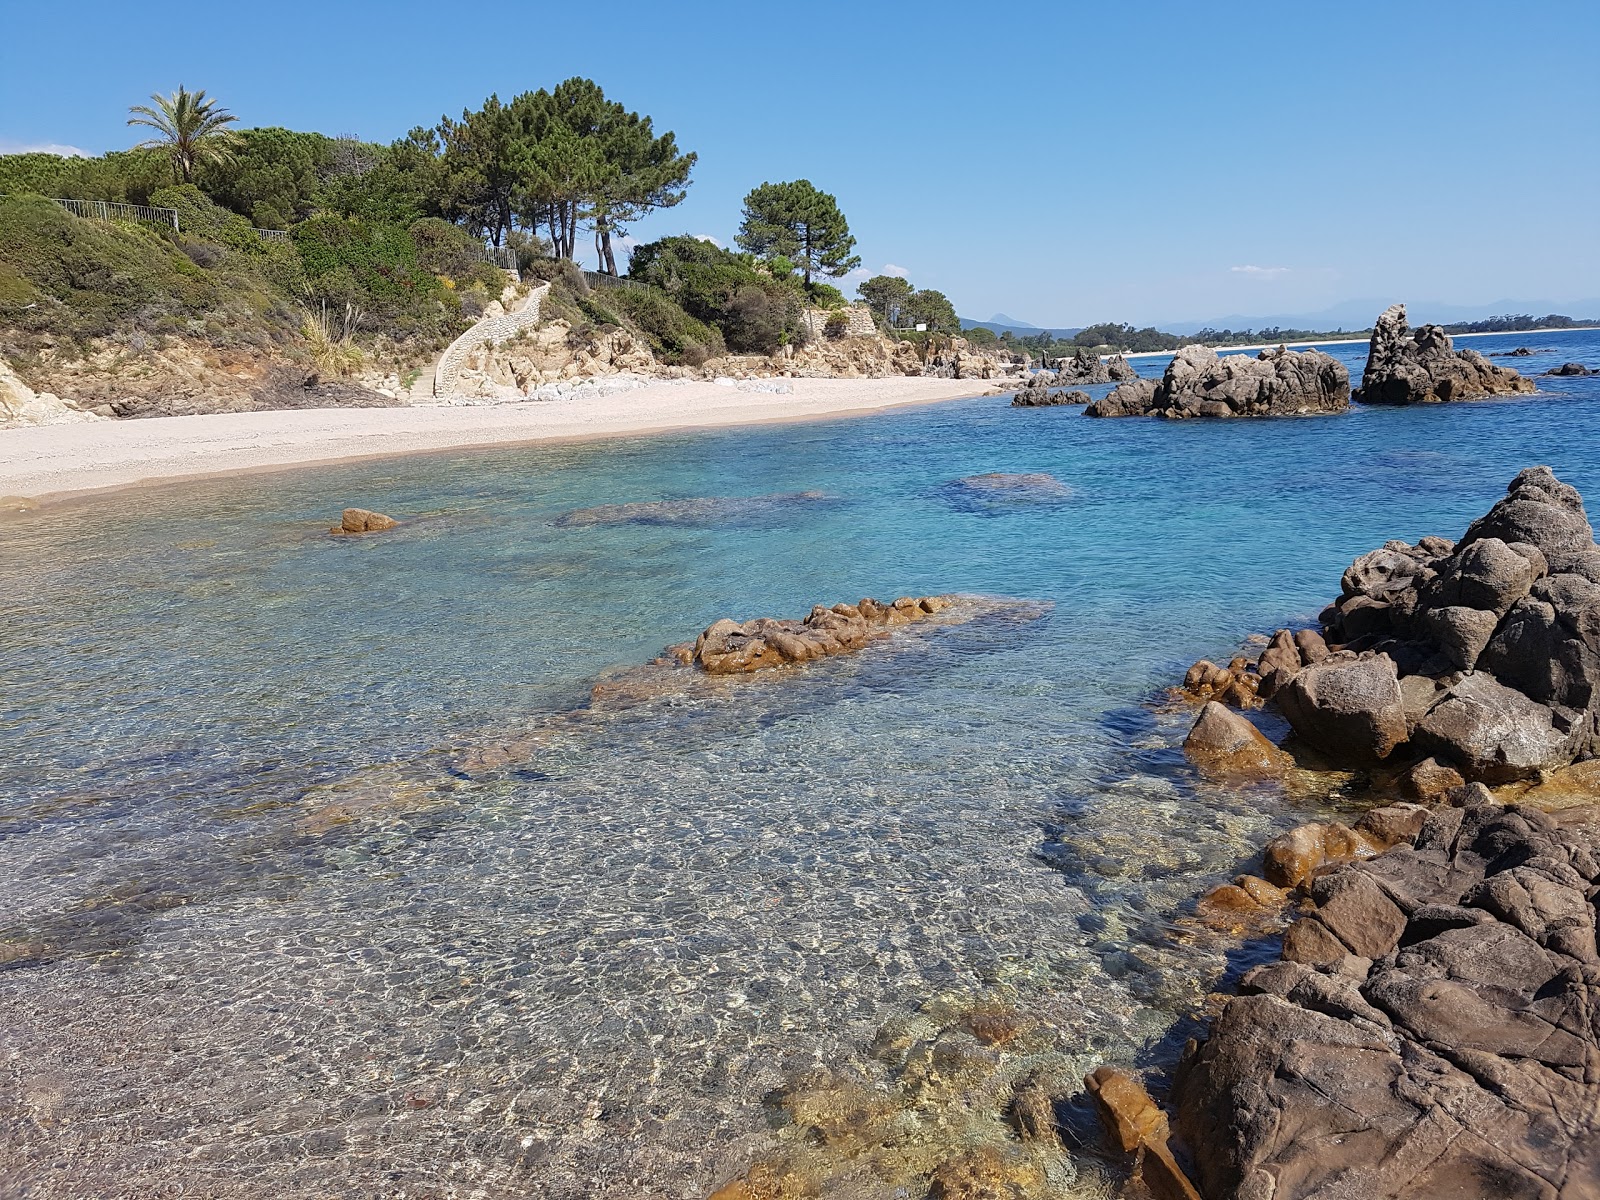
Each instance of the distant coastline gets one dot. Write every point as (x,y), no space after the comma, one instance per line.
(1352,341)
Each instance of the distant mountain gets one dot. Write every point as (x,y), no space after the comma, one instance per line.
(1359,314)
(1016,329)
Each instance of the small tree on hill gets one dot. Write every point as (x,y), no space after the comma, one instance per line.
(190,128)
(802,224)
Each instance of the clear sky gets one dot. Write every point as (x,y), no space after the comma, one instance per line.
(1060,162)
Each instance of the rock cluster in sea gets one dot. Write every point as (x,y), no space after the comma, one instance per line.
(1036,393)
(1424,367)
(1084,367)
(730,648)
(1482,655)
(1200,383)
(1432,1028)
(690,510)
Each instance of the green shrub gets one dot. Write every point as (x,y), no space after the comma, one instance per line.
(825,295)
(79,279)
(755,312)
(837,325)
(674,336)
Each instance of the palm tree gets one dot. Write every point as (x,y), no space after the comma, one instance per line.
(193,130)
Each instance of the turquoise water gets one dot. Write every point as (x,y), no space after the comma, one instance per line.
(578,973)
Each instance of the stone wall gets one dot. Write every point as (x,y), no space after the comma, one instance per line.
(815,320)
(490,329)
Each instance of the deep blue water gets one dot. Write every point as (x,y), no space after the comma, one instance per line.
(578,974)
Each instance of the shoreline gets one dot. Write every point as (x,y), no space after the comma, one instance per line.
(53,464)
(1362,341)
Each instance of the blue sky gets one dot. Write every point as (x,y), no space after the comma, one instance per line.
(1063,163)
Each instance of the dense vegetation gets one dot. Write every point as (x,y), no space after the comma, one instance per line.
(387,242)
(1520,324)
(896,305)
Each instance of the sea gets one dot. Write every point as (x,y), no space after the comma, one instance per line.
(322,874)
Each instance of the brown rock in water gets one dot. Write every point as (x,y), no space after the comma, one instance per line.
(1246,902)
(1130,1117)
(1429,780)
(1425,367)
(1455,1057)
(1032,1111)
(1294,857)
(1223,743)
(729,648)
(986,1173)
(1135,1125)
(360,520)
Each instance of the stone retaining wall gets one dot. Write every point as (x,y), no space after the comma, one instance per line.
(815,320)
(490,329)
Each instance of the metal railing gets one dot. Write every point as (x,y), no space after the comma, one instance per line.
(274,235)
(108,210)
(503,257)
(601,279)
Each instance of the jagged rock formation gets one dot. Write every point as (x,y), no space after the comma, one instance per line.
(1036,393)
(1482,655)
(1199,383)
(1084,367)
(729,648)
(1425,367)
(1432,1030)
(1571,368)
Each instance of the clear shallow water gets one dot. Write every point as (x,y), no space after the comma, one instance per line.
(578,974)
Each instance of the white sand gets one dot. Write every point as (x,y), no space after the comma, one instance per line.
(58,461)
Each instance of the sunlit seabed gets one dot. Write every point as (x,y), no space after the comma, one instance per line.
(578,974)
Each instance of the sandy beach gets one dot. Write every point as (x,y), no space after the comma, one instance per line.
(58,462)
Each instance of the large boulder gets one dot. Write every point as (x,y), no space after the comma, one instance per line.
(1131,399)
(1432,1030)
(1348,707)
(1425,367)
(1495,639)
(1200,383)
(1225,744)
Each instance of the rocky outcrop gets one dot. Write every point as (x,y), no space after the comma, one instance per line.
(1084,368)
(1036,393)
(20,405)
(1568,369)
(1482,655)
(730,648)
(1200,383)
(1425,367)
(1432,1028)
(360,520)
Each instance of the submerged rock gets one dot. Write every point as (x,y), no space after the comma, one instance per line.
(1200,383)
(730,648)
(694,510)
(1425,367)
(1432,1029)
(1025,487)
(360,520)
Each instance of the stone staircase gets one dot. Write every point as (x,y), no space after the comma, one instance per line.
(439,381)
